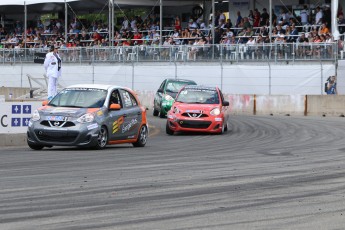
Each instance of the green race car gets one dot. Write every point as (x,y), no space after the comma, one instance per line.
(165,95)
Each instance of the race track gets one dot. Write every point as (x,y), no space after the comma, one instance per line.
(267,172)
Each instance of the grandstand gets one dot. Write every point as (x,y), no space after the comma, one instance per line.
(189,34)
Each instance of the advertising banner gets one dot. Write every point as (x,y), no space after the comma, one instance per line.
(15,116)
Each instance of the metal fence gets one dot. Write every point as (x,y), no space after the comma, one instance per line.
(272,52)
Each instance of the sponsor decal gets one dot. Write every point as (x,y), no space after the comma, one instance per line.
(193,111)
(218,119)
(100,113)
(65,110)
(116,124)
(93,126)
(128,127)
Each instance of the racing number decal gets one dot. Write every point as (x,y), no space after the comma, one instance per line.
(116,124)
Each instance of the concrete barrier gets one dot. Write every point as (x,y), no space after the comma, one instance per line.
(329,105)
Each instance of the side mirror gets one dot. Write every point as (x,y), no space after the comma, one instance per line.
(226,103)
(160,91)
(114,107)
(44,103)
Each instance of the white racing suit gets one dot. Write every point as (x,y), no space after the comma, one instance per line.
(51,65)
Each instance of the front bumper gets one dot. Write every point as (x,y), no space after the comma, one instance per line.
(79,135)
(209,124)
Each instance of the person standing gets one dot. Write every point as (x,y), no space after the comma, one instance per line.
(52,65)
(331,85)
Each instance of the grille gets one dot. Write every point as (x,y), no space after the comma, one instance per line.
(62,124)
(196,115)
(45,135)
(195,124)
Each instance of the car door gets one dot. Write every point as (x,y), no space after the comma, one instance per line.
(159,95)
(115,118)
(132,115)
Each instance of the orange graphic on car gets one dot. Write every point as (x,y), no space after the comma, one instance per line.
(116,124)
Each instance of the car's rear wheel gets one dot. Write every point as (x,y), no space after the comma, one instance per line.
(168,130)
(142,137)
(155,112)
(102,139)
(35,146)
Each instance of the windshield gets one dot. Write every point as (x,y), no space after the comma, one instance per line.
(80,98)
(176,86)
(198,96)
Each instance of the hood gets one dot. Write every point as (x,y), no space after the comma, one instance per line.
(195,108)
(65,111)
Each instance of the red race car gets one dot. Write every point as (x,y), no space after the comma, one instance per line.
(198,109)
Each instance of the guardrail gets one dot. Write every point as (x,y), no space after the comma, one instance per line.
(272,52)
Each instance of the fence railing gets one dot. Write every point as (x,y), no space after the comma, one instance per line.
(275,52)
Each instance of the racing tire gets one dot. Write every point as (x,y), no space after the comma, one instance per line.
(35,147)
(142,137)
(161,115)
(168,130)
(155,112)
(224,128)
(102,139)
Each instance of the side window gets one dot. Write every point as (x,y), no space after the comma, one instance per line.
(128,99)
(162,85)
(115,98)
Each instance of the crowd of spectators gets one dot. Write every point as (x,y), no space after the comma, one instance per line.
(252,29)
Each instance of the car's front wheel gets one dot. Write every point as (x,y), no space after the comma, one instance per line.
(162,114)
(142,137)
(168,130)
(35,146)
(102,139)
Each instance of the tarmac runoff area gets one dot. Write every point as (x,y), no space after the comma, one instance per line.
(266,172)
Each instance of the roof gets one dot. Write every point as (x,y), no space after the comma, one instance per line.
(180,80)
(201,87)
(94,86)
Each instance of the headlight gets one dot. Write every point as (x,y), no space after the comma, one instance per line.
(36,116)
(168,97)
(215,112)
(176,110)
(86,118)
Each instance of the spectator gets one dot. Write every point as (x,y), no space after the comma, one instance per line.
(264,17)
(323,29)
(327,17)
(341,23)
(192,24)
(293,34)
(304,15)
(331,85)
(256,22)
(239,19)
(318,16)
(251,16)
(177,23)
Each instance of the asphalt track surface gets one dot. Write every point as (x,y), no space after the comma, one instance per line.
(267,172)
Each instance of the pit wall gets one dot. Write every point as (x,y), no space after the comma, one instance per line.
(305,78)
